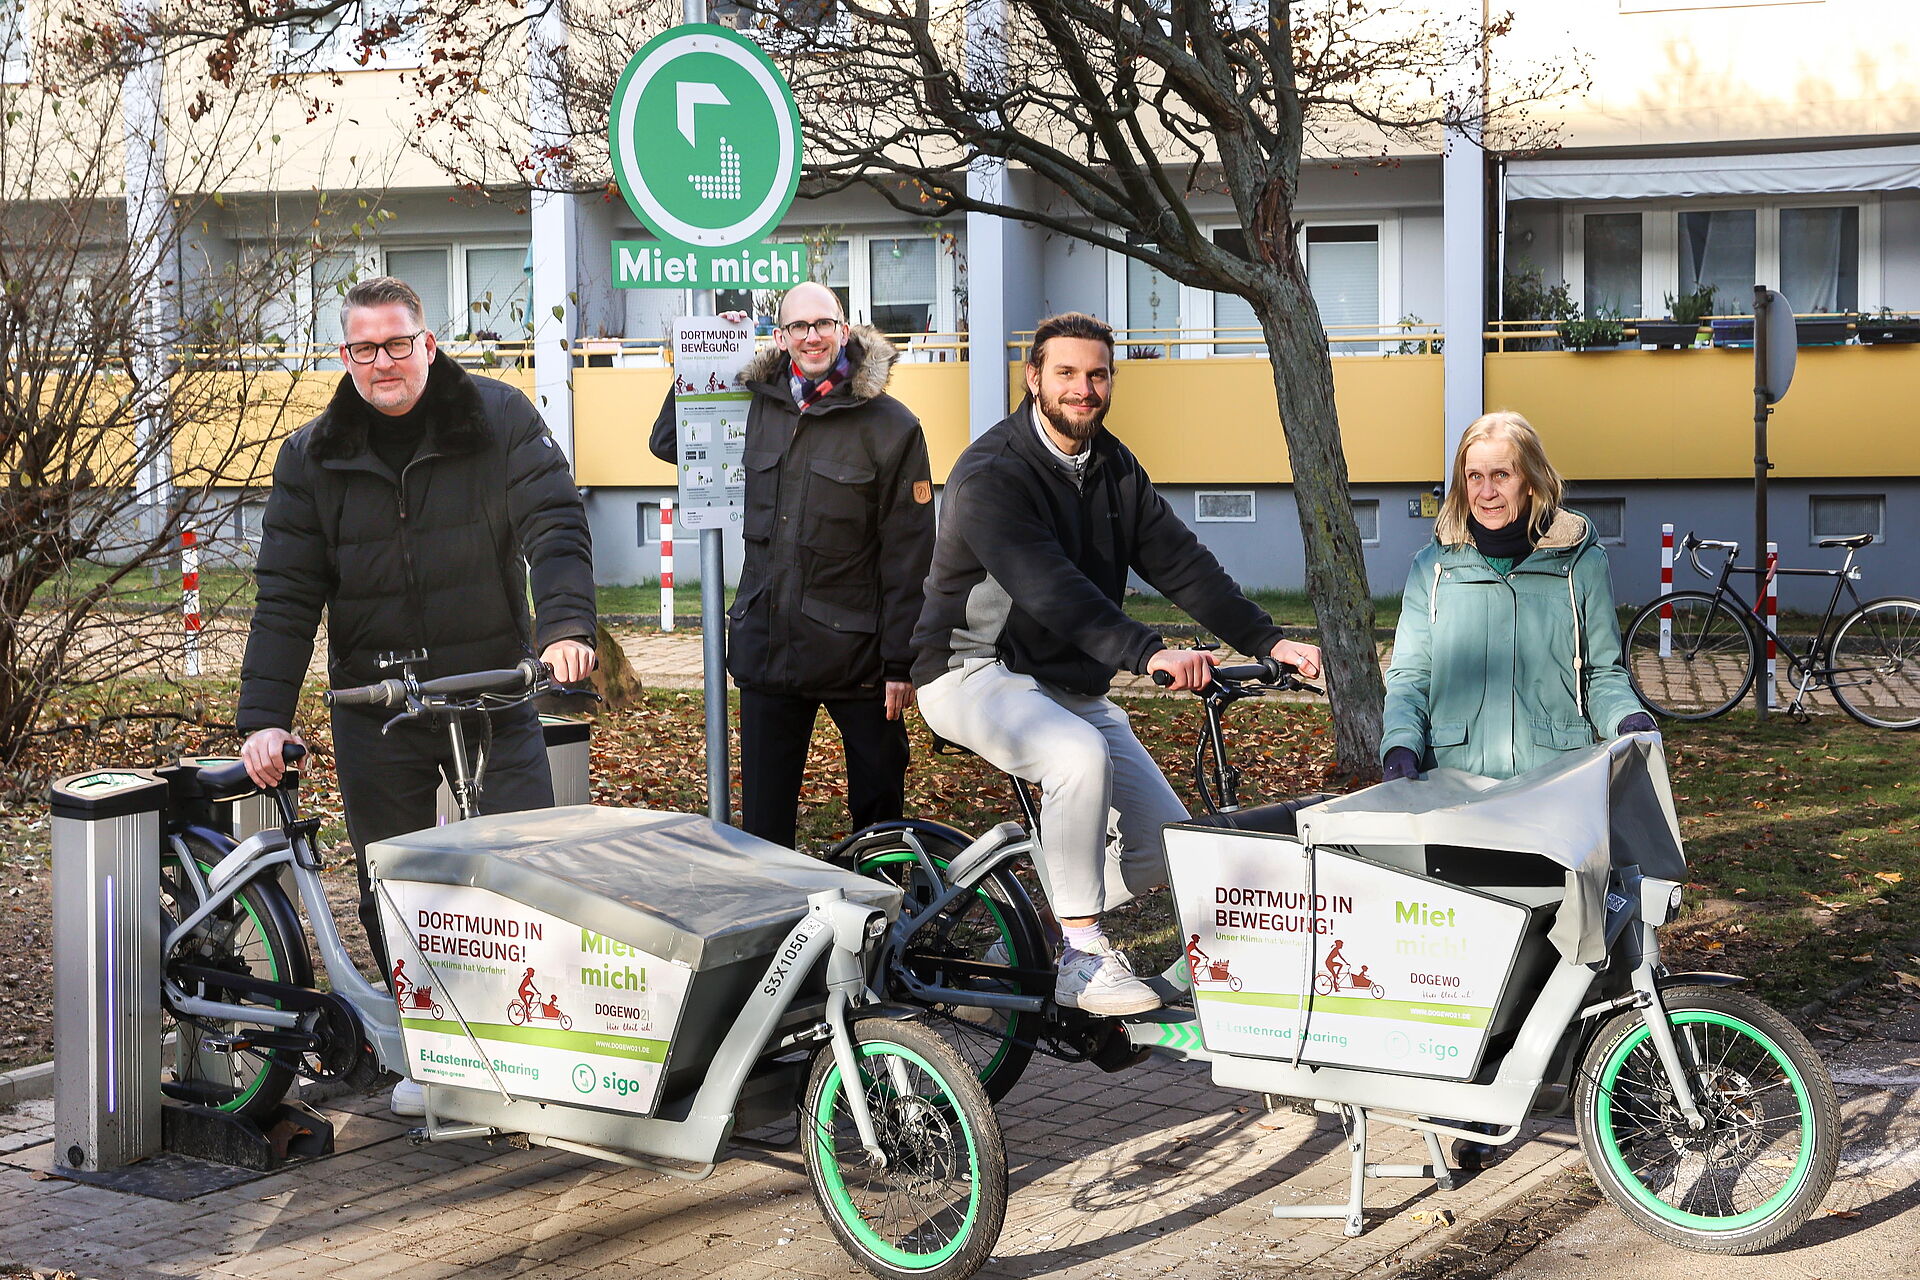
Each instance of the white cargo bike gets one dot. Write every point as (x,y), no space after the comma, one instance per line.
(1485,951)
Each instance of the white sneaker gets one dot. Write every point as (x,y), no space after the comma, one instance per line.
(409,1099)
(1101,981)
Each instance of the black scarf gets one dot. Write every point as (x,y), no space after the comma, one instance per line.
(1511,541)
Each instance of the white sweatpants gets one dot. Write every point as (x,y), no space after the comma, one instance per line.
(1103,800)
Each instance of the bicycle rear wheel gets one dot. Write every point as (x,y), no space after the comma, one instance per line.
(1874,664)
(989,940)
(254,933)
(1709,664)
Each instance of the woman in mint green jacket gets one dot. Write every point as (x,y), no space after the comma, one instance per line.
(1508,650)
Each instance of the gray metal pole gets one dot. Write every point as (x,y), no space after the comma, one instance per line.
(1762,691)
(713,645)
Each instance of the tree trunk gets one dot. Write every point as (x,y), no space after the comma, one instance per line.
(1336,573)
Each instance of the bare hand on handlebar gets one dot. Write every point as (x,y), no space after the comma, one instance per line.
(1184,669)
(571,660)
(1304,658)
(263,758)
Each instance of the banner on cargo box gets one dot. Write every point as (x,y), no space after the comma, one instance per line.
(1405,972)
(560,1013)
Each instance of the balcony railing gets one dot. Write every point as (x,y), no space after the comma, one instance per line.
(1402,339)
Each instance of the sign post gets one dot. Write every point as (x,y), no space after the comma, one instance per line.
(705,140)
(1776,345)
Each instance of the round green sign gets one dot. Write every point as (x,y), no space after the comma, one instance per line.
(705,137)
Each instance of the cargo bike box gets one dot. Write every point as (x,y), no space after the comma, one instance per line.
(585,955)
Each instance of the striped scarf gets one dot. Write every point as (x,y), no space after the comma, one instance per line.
(806,391)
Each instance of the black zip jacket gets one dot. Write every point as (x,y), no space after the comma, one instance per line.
(838,525)
(429,559)
(1031,569)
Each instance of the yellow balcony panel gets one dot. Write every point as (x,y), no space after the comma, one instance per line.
(1688,415)
(1214,420)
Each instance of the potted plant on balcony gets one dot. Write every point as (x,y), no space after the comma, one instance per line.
(1682,326)
(1886,327)
(1593,333)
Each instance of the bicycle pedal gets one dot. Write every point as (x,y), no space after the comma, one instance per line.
(225,1044)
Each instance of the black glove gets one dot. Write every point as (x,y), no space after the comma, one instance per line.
(1400,763)
(1638,722)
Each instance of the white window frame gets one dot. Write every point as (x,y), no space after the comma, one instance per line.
(1879,531)
(1196,305)
(463,305)
(16,61)
(339,51)
(1582,505)
(1356,503)
(1660,243)
(1253,506)
(860,272)
(1117,306)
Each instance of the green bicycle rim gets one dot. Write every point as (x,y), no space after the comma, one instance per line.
(850,1215)
(1654,1204)
(239,1101)
(1006,933)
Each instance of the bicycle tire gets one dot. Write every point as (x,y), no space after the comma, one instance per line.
(1710,665)
(1768,1153)
(1873,664)
(256,934)
(997,1045)
(935,1209)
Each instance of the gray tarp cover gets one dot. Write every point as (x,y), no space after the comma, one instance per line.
(1590,811)
(677,886)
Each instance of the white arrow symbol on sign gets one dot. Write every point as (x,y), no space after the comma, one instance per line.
(696,95)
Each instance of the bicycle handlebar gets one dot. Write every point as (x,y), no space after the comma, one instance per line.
(1261,670)
(393,693)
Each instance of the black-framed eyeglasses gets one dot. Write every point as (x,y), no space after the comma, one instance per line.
(798,329)
(396,348)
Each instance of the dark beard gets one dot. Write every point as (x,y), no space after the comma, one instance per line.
(1079,433)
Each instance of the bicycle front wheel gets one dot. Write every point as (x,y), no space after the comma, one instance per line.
(1874,664)
(1767,1155)
(988,941)
(1708,662)
(254,934)
(935,1208)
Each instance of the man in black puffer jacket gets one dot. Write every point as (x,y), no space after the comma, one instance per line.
(404,510)
(839,530)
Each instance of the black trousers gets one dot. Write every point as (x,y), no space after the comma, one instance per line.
(775,730)
(388,782)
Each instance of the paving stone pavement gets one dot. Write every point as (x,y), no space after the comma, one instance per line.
(1147,1172)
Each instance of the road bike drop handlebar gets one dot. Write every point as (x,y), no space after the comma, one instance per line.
(1693,546)
(511,681)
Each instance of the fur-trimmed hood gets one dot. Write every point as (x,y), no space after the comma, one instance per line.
(868,351)
(456,418)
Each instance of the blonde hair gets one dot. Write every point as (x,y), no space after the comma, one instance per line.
(1544,486)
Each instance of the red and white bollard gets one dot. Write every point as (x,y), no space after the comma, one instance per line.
(1773,625)
(190,595)
(1666,589)
(666,566)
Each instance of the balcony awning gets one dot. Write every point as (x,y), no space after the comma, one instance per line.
(1655,177)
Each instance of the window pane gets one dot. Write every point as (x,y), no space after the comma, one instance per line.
(1153,302)
(426,271)
(1343,270)
(13,40)
(1231,312)
(1843,517)
(1366,516)
(1717,248)
(1607,515)
(332,275)
(1612,252)
(497,293)
(1224,505)
(1820,258)
(902,274)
